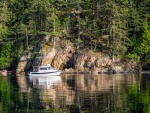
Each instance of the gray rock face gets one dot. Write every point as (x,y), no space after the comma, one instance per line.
(24,63)
(91,62)
(64,56)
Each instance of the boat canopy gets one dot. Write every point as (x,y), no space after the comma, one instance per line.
(47,67)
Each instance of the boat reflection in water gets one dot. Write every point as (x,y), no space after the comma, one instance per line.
(44,82)
(45,90)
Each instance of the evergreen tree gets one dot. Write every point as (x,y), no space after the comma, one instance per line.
(117,27)
(5,44)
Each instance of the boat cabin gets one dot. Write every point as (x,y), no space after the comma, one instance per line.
(42,68)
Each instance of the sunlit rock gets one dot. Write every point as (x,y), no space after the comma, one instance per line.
(24,63)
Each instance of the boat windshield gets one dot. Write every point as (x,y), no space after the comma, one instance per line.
(43,68)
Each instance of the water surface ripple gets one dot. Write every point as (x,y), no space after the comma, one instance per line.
(77,93)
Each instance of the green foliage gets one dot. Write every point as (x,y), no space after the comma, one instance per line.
(6,55)
(3,33)
(5,49)
(120,26)
(145,47)
(133,56)
(140,44)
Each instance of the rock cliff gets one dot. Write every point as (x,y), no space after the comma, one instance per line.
(64,55)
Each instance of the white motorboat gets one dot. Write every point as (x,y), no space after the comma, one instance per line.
(44,70)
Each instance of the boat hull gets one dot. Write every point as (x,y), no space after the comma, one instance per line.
(55,73)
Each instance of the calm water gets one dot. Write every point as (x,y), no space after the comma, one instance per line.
(75,94)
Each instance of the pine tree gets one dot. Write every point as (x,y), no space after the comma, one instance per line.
(5,44)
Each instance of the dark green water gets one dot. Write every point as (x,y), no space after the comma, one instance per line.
(75,94)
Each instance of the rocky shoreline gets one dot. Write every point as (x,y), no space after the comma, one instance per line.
(65,56)
(71,71)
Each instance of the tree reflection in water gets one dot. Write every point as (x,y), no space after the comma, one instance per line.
(76,94)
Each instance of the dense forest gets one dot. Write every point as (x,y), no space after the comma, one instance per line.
(120,28)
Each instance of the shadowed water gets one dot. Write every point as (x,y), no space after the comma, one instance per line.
(75,94)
